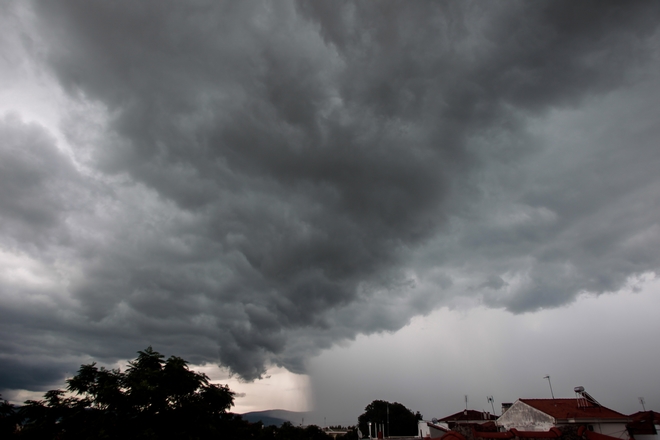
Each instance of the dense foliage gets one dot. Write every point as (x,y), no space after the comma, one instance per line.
(402,421)
(153,399)
(8,418)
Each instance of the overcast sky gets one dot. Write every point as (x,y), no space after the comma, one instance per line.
(344,201)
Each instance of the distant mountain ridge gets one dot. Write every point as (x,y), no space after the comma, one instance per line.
(276,417)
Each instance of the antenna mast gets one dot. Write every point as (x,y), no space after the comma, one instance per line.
(549,383)
(490,399)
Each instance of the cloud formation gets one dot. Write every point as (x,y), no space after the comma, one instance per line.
(250,183)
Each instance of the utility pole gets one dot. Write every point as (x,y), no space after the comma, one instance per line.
(388,419)
(549,383)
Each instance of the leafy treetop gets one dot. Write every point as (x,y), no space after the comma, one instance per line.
(402,421)
(153,398)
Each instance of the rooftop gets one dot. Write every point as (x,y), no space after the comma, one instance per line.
(646,415)
(469,415)
(573,409)
(644,423)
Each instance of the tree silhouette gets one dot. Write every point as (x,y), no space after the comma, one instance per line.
(8,418)
(153,398)
(402,421)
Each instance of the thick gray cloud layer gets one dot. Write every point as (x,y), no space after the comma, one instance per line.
(250,183)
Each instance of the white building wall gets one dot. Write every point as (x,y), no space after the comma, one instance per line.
(617,430)
(525,418)
(423,429)
(649,437)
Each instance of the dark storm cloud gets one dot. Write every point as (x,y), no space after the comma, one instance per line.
(266,177)
(21,375)
(34,178)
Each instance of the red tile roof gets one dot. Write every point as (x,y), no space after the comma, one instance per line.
(552,433)
(469,414)
(493,435)
(438,427)
(590,435)
(646,415)
(569,409)
(644,423)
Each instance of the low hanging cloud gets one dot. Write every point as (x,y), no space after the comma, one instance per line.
(250,183)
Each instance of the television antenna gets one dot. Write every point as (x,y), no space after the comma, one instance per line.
(641,400)
(547,376)
(491,400)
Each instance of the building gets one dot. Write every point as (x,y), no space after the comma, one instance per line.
(468,416)
(544,414)
(644,425)
(440,427)
(432,429)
